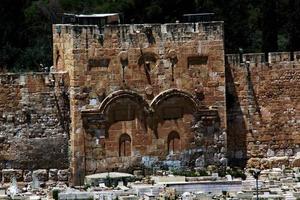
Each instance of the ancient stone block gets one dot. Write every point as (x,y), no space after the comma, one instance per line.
(27,176)
(8,174)
(41,174)
(63,175)
(264,163)
(296,161)
(253,163)
(279,161)
(53,174)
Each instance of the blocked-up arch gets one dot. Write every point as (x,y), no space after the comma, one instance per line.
(129,94)
(173,93)
(124,145)
(174,143)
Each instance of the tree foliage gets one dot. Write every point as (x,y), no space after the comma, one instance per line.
(254,25)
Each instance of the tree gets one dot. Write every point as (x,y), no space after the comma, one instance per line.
(293,26)
(254,25)
(269,26)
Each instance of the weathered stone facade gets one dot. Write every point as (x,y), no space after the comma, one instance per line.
(34,121)
(131,96)
(263,109)
(143,94)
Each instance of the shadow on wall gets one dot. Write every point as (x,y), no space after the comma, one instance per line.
(236,125)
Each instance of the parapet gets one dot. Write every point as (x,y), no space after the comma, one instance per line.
(276,57)
(254,57)
(232,59)
(297,56)
(259,59)
(153,32)
(32,78)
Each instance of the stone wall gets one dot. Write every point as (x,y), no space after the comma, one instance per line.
(263,109)
(142,85)
(34,118)
(132,96)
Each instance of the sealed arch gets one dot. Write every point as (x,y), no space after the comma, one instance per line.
(124,145)
(121,107)
(174,143)
(122,94)
(173,110)
(174,93)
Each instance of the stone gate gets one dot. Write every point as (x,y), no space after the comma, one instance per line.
(143,94)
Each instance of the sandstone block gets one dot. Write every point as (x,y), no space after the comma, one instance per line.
(265,164)
(279,161)
(296,162)
(254,163)
(8,174)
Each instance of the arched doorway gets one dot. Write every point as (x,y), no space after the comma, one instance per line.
(174,144)
(124,145)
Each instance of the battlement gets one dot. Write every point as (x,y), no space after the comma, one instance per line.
(33,78)
(152,33)
(71,42)
(259,59)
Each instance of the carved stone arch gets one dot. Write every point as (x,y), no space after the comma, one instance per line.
(172,106)
(132,95)
(174,93)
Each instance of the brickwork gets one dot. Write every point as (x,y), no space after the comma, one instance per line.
(146,81)
(33,131)
(263,113)
(126,97)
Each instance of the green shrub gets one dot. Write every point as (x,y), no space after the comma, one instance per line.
(202,172)
(189,173)
(55,193)
(86,186)
(237,173)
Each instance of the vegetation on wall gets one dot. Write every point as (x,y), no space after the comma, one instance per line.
(253,25)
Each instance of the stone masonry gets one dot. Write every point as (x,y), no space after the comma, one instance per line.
(143,95)
(33,122)
(127,97)
(263,109)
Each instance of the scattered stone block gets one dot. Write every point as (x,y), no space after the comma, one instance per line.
(41,174)
(296,161)
(63,175)
(8,174)
(27,176)
(2,191)
(254,163)
(279,161)
(53,174)
(138,173)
